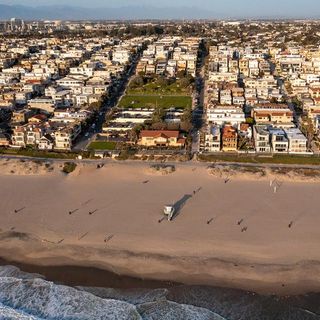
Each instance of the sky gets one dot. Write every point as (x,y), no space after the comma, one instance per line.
(245,8)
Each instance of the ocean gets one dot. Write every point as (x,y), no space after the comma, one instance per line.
(29,296)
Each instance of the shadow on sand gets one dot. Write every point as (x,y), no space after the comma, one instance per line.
(178,206)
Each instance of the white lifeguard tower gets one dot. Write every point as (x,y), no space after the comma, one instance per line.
(169,211)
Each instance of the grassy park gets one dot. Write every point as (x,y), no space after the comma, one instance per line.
(163,87)
(158,92)
(160,101)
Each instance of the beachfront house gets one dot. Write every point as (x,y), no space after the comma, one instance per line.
(66,135)
(4,140)
(297,141)
(261,137)
(161,138)
(272,114)
(229,139)
(211,140)
(221,115)
(279,140)
(46,142)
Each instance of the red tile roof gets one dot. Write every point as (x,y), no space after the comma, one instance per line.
(159,133)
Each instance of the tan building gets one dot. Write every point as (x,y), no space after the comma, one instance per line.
(65,137)
(229,139)
(26,135)
(272,113)
(18,137)
(22,116)
(161,138)
(4,140)
(274,116)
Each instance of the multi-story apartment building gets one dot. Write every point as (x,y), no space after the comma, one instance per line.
(211,139)
(221,115)
(297,141)
(279,141)
(261,137)
(229,139)
(66,135)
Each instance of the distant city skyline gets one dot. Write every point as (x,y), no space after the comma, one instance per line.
(203,8)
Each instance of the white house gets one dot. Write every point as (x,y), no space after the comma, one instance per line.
(225,114)
(297,140)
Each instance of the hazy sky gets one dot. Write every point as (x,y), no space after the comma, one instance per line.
(276,8)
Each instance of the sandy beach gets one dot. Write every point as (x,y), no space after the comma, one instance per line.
(228,232)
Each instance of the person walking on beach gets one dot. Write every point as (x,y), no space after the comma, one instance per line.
(209,221)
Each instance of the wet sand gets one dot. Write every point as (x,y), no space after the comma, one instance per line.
(233,234)
(88,276)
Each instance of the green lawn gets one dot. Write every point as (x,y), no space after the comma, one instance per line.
(41,154)
(159,85)
(276,159)
(138,101)
(154,89)
(102,145)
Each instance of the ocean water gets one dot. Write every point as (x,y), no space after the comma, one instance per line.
(30,296)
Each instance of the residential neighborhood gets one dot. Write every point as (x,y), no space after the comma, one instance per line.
(264,94)
(52,93)
(201,94)
(159,160)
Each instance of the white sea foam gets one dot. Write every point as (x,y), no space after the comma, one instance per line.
(133,296)
(167,310)
(7,313)
(28,296)
(12,271)
(44,299)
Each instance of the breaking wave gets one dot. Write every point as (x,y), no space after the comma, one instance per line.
(30,296)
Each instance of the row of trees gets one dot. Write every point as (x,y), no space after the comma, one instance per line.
(182,79)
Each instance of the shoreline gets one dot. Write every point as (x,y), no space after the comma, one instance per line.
(112,270)
(71,275)
(231,235)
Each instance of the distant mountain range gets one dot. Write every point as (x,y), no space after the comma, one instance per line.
(124,13)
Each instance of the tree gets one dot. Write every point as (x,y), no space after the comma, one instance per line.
(250,120)
(158,115)
(159,126)
(186,120)
(181,74)
(308,129)
(162,82)
(134,133)
(95,106)
(185,126)
(184,82)
(137,82)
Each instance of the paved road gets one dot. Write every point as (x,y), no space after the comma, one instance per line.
(86,137)
(197,115)
(195,148)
